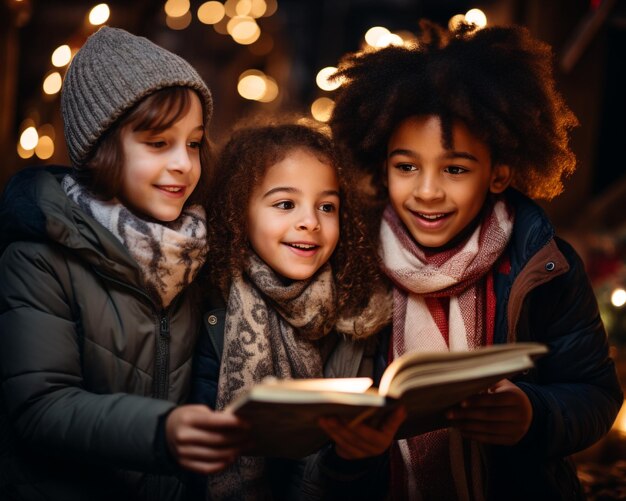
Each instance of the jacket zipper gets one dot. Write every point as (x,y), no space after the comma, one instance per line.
(160,382)
(162,359)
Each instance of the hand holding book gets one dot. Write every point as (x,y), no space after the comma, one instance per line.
(359,439)
(500,416)
(284,414)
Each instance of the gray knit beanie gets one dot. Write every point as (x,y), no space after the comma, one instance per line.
(112,72)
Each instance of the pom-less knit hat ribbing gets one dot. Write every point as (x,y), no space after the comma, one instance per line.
(112,72)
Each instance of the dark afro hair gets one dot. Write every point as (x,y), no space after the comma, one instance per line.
(498,81)
(241,166)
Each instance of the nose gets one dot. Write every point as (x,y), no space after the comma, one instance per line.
(308,220)
(428,187)
(180,159)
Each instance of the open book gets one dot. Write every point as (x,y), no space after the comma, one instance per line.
(284,413)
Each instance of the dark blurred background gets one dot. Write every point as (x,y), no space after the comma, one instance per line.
(263,56)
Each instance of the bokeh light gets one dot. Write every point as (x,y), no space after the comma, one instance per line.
(52,83)
(477,17)
(618,297)
(252,87)
(22,153)
(211,12)
(29,138)
(374,34)
(61,56)
(456,21)
(176,8)
(99,14)
(322,109)
(45,148)
(180,22)
(322,79)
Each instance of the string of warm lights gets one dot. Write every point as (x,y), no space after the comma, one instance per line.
(38,140)
(378,37)
(237,19)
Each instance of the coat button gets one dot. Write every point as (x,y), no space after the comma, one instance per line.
(212,319)
(550,265)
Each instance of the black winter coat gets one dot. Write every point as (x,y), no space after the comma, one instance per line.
(574,390)
(89,366)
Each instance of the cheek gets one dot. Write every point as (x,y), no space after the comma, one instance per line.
(262,231)
(333,233)
(197,174)
(471,201)
(397,192)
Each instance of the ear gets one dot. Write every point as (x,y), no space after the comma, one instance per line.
(501,177)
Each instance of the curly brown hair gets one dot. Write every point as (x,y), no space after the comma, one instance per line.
(241,166)
(497,80)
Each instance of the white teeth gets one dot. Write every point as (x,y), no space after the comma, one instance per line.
(303,246)
(173,189)
(432,217)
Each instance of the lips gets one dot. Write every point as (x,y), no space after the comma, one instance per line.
(172,190)
(303,248)
(431,217)
(431,220)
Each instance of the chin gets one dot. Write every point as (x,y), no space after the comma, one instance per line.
(165,218)
(298,275)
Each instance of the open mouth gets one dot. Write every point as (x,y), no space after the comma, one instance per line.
(171,189)
(303,246)
(431,217)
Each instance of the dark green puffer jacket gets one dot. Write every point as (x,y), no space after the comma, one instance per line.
(89,366)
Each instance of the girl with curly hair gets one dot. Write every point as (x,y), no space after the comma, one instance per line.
(457,134)
(301,288)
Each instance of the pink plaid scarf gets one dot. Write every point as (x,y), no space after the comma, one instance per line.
(434,463)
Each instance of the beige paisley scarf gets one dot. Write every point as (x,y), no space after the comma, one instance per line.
(271,329)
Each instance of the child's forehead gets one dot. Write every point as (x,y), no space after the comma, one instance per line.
(445,129)
(432,133)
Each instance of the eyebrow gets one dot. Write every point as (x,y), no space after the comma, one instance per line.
(449,154)
(290,189)
(161,131)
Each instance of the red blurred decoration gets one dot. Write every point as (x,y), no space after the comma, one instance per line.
(594,4)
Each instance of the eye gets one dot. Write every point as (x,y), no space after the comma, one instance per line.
(404,167)
(156,144)
(328,207)
(284,205)
(194,144)
(455,169)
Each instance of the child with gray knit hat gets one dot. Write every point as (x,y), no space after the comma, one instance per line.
(99,310)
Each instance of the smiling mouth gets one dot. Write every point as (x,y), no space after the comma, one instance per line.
(431,217)
(303,246)
(171,189)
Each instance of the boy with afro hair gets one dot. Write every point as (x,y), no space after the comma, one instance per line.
(456,135)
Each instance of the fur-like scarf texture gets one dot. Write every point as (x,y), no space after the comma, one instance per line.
(435,463)
(168,254)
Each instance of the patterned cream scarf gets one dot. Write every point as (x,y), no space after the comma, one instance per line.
(272,326)
(441,463)
(168,254)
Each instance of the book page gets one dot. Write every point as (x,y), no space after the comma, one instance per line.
(432,368)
